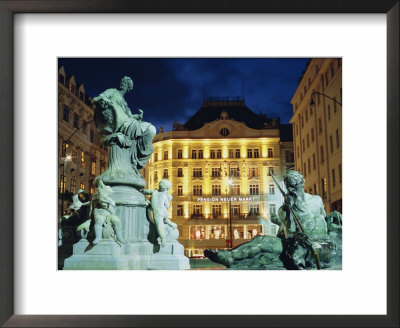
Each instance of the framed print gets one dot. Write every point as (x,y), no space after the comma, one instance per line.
(35,34)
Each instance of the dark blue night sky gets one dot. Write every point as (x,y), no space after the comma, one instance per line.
(169,89)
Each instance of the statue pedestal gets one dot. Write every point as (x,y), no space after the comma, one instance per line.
(141,250)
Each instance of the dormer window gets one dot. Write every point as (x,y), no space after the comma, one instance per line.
(72,87)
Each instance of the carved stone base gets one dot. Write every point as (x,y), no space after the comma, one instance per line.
(106,255)
(141,250)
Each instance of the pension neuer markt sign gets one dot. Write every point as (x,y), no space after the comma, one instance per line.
(226,199)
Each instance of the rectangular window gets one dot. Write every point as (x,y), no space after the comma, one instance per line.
(219,153)
(66,113)
(165,155)
(329,112)
(180,172)
(270,170)
(306,115)
(215,172)
(311,111)
(194,154)
(254,209)
(74,153)
(216,210)
(93,168)
(305,169)
(304,145)
(334,105)
(212,153)
(272,189)
(83,163)
(91,136)
(235,172)
(230,153)
(165,174)
(236,210)
(254,189)
(197,190)
(272,209)
(197,172)
(155,177)
(253,172)
(249,153)
(322,154)
(81,95)
(63,183)
(237,153)
(73,186)
(308,140)
(313,161)
(155,157)
(197,209)
(315,189)
(235,189)
(256,153)
(270,152)
(76,121)
(302,121)
(331,143)
(72,87)
(323,187)
(200,153)
(179,153)
(216,190)
(82,186)
(309,165)
(179,210)
(326,79)
(337,139)
(340,173)
(319,126)
(312,134)
(180,190)
(83,127)
(333,178)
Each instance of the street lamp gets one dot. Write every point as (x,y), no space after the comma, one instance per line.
(312,102)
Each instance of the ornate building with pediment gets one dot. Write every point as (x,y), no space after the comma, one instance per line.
(219,164)
(81,156)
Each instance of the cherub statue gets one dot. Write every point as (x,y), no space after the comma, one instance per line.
(159,205)
(106,222)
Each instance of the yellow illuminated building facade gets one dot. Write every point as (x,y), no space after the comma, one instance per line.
(220,168)
(317,130)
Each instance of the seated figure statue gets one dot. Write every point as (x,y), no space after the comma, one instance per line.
(159,205)
(129,137)
(304,244)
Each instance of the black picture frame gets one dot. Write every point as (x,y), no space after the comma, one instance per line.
(10,7)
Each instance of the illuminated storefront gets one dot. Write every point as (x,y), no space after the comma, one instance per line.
(219,164)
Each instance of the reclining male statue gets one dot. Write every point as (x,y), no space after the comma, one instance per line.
(302,242)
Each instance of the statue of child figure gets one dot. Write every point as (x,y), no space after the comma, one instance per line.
(103,210)
(159,205)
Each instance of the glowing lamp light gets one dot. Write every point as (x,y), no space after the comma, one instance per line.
(68,158)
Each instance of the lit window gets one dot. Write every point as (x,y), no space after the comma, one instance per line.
(64,149)
(237,153)
(272,209)
(197,190)
(249,153)
(215,172)
(219,153)
(270,152)
(165,155)
(230,153)
(179,210)
(93,168)
(197,172)
(180,172)
(235,172)
(323,187)
(340,173)
(180,190)
(253,172)
(256,153)
(72,87)
(83,163)
(212,153)
(312,134)
(254,189)
(82,186)
(179,153)
(337,138)
(216,190)
(200,154)
(216,210)
(235,189)
(331,143)
(73,186)
(254,209)
(63,182)
(194,154)
(165,174)
(270,170)
(322,154)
